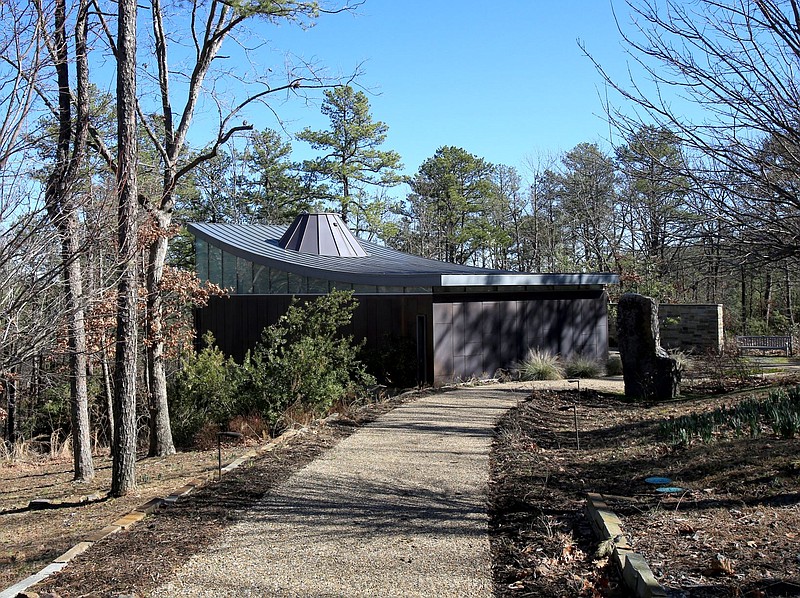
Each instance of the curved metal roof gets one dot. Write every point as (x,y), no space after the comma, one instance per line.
(380,266)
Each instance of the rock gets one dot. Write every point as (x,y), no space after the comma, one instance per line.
(648,371)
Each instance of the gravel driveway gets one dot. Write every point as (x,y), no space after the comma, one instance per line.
(397,509)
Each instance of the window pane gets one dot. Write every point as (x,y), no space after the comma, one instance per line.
(260,279)
(228,271)
(365,288)
(317,285)
(244,274)
(201,259)
(215,265)
(341,286)
(278,282)
(297,284)
(390,289)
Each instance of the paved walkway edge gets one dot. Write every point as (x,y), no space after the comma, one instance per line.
(135,516)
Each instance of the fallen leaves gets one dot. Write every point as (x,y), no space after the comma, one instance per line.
(720,565)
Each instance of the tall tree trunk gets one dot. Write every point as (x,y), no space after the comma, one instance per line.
(123,471)
(768,299)
(789,307)
(11,407)
(76,339)
(161,443)
(743,317)
(109,392)
(62,211)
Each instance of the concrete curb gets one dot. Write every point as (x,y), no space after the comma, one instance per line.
(135,516)
(635,571)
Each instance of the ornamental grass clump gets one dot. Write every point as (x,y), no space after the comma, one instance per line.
(580,366)
(540,364)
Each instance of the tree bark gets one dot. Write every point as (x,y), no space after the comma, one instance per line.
(109,392)
(79,408)
(789,307)
(11,407)
(123,471)
(62,211)
(768,299)
(161,443)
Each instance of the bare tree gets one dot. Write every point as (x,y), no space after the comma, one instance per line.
(212,24)
(62,207)
(736,62)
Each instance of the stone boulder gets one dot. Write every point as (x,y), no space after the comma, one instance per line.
(649,372)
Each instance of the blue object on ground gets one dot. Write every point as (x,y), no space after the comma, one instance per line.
(658,481)
(670,490)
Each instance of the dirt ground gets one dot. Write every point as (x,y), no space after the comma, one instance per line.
(733,531)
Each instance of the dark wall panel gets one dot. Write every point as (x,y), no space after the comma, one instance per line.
(475,338)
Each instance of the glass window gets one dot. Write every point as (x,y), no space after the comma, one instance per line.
(228,270)
(260,279)
(341,286)
(317,285)
(297,284)
(244,275)
(215,265)
(278,282)
(201,260)
(365,288)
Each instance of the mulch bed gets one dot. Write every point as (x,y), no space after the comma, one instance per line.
(734,532)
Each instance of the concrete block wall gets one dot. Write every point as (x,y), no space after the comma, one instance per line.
(697,327)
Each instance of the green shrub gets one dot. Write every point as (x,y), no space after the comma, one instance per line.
(203,392)
(579,366)
(540,364)
(303,363)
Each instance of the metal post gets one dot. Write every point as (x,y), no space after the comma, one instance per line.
(575,412)
(219,449)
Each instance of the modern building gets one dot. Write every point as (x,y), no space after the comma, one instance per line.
(464,322)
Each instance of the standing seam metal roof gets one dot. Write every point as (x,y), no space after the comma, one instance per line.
(380,266)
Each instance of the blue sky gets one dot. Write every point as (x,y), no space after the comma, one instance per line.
(504,80)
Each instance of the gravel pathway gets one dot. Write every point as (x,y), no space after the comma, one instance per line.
(396,509)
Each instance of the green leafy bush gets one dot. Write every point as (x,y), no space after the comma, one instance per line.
(203,392)
(579,366)
(303,362)
(540,364)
